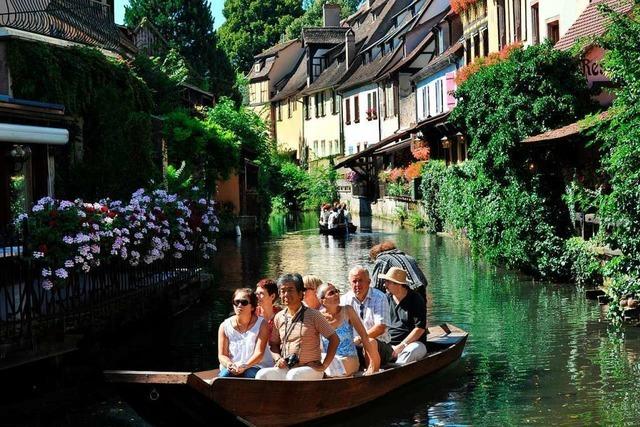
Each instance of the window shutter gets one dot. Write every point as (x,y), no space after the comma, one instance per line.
(451,87)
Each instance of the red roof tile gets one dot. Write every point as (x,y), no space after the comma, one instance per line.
(591,22)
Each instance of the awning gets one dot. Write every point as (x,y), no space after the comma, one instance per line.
(405,143)
(564,132)
(20,134)
(377,147)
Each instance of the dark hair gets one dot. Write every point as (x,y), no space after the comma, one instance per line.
(269,285)
(294,278)
(387,245)
(253,299)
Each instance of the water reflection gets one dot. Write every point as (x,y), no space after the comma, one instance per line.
(538,353)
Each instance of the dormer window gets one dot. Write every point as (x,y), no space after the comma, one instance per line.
(257,67)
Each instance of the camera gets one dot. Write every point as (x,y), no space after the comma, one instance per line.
(291,360)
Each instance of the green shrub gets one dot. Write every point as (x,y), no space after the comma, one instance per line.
(416,221)
(586,267)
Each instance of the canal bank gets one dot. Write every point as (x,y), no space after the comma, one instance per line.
(538,353)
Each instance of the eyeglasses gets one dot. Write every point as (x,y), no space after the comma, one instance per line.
(240,302)
(331,293)
(288,291)
(362,307)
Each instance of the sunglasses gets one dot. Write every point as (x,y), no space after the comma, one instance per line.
(332,292)
(240,302)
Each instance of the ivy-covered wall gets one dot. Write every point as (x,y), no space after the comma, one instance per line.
(113,107)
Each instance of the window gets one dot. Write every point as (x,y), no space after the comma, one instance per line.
(467,48)
(316,99)
(323,148)
(334,102)
(356,110)
(347,111)
(305,106)
(264,86)
(252,93)
(289,108)
(485,42)
(476,45)
(358,147)
(374,104)
(517,21)
(294,107)
(315,147)
(535,24)
(439,96)
(553,31)
(502,24)
(389,100)
(257,67)
(279,111)
(322,103)
(350,149)
(425,102)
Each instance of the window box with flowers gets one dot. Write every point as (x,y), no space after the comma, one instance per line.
(372,114)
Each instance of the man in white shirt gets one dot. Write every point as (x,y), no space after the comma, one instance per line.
(373,308)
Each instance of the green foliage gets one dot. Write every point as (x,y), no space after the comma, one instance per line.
(210,151)
(177,180)
(292,181)
(252,26)
(504,209)
(397,189)
(400,213)
(279,205)
(416,221)
(433,175)
(187,25)
(164,89)
(312,16)
(320,187)
(586,267)
(114,105)
(620,137)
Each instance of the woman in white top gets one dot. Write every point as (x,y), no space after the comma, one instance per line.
(242,338)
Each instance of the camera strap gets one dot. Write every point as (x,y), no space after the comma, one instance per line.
(289,329)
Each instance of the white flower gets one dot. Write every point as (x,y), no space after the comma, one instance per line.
(68,240)
(138,236)
(78,259)
(37,254)
(46,272)
(95,249)
(69,263)
(177,255)
(86,267)
(37,208)
(62,273)
(47,284)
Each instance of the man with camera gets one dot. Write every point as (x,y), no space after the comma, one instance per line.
(295,338)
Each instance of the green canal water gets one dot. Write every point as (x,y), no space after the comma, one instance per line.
(537,354)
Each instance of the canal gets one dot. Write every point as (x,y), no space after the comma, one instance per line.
(538,353)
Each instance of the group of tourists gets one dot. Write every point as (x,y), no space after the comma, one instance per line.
(318,332)
(332,216)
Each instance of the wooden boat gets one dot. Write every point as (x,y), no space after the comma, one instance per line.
(340,230)
(200,398)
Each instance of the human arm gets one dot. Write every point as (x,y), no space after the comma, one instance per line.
(223,348)
(414,335)
(323,327)
(274,345)
(258,352)
(370,346)
(418,314)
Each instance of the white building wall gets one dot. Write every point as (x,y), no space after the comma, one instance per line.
(435,91)
(565,11)
(322,134)
(360,132)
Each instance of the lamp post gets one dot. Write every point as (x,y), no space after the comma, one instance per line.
(462,146)
(18,155)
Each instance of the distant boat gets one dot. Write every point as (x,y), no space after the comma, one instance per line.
(201,398)
(340,230)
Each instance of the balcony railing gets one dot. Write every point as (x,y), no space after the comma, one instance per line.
(88,22)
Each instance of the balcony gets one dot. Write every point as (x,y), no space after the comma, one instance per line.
(88,22)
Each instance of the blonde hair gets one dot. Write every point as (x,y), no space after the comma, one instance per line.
(322,289)
(311,282)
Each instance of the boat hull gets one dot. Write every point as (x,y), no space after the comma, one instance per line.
(260,403)
(338,231)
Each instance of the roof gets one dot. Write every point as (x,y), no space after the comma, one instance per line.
(295,84)
(329,78)
(563,132)
(366,73)
(264,70)
(324,35)
(275,49)
(378,147)
(591,23)
(439,62)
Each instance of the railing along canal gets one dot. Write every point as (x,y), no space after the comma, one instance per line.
(115,292)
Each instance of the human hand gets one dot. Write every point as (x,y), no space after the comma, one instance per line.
(317,366)
(370,371)
(397,349)
(357,340)
(241,368)
(231,367)
(281,363)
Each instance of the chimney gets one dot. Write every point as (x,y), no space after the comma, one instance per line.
(349,47)
(330,15)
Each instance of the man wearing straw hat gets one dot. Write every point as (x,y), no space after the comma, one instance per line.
(408,317)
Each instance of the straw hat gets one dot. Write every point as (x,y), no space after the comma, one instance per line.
(396,275)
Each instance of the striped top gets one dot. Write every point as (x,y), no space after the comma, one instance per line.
(302,335)
(397,258)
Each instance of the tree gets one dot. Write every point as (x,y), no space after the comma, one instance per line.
(188,27)
(313,15)
(252,26)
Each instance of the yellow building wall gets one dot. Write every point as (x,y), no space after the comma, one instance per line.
(289,130)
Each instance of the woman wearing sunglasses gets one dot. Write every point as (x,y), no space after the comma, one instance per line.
(344,319)
(242,338)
